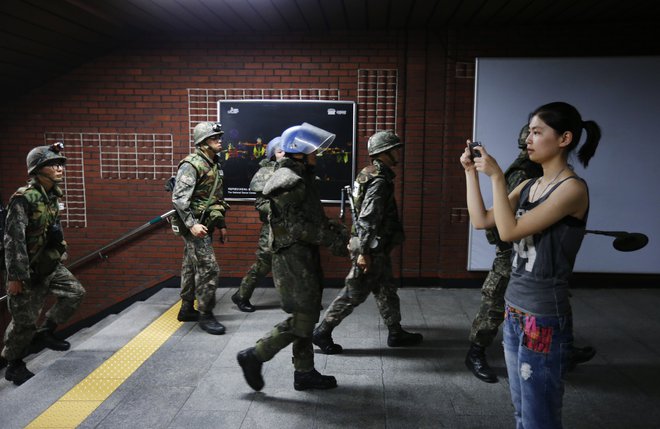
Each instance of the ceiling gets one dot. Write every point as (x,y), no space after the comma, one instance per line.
(41,39)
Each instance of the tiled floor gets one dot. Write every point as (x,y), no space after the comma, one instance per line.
(193,380)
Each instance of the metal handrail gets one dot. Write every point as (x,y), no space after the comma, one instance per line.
(100,253)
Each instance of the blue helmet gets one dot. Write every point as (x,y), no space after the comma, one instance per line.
(273,146)
(306,138)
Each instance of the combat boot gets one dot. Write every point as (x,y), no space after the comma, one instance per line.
(322,337)
(209,323)
(46,338)
(313,380)
(251,366)
(580,355)
(187,313)
(243,305)
(398,337)
(17,372)
(477,363)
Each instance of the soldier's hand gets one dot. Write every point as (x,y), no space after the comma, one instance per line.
(364,262)
(14,287)
(223,235)
(199,230)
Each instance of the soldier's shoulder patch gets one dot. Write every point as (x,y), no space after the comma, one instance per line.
(282,179)
(187,179)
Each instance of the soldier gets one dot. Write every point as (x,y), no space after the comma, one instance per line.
(491,312)
(34,251)
(298,225)
(376,231)
(198,200)
(263,264)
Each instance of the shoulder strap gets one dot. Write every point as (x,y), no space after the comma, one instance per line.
(215,186)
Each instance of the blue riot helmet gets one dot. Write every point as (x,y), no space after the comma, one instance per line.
(306,138)
(273,146)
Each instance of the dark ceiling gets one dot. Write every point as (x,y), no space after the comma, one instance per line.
(41,39)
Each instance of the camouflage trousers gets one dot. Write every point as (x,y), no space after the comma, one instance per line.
(298,278)
(491,311)
(199,272)
(357,287)
(260,268)
(26,307)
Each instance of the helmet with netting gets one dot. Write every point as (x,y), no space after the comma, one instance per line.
(204,130)
(522,137)
(383,141)
(43,155)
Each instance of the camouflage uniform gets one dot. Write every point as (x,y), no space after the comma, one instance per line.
(378,222)
(192,191)
(298,225)
(491,312)
(34,246)
(263,264)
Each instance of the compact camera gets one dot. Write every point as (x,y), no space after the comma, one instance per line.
(473,152)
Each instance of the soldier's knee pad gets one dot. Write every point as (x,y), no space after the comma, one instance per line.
(303,324)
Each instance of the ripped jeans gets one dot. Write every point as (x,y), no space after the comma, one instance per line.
(537,351)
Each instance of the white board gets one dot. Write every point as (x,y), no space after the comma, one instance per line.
(622,94)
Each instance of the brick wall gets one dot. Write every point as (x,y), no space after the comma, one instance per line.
(143,88)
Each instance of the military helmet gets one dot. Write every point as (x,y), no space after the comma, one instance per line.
(273,146)
(383,141)
(42,155)
(306,138)
(522,137)
(204,130)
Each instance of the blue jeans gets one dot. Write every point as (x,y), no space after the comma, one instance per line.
(537,351)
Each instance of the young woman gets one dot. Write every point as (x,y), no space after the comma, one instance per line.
(545,218)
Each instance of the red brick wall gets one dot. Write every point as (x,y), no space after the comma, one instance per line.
(143,88)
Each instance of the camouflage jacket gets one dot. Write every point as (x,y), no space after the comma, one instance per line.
(520,170)
(31,245)
(192,190)
(377,227)
(261,204)
(297,215)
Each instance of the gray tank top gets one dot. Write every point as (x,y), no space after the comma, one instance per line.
(542,264)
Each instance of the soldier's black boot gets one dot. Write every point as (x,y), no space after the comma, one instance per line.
(243,304)
(313,380)
(187,313)
(251,366)
(398,337)
(46,338)
(322,337)
(477,363)
(580,355)
(210,324)
(17,372)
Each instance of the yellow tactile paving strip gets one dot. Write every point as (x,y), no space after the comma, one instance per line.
(78,403)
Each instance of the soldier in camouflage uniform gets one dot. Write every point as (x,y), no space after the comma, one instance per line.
(198,199)
(34,248)
(491,312)
(298,225)
(263,264)
(376,231)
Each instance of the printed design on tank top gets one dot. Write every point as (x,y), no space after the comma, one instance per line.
(524,249)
